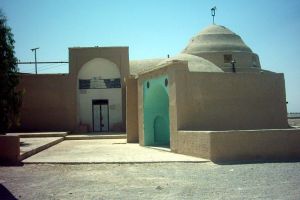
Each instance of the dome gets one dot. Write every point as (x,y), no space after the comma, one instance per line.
(195,63)
(139,66)
(216,38)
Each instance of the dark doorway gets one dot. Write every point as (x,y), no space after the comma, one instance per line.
(100,115)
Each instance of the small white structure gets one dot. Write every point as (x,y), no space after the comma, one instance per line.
(99,95)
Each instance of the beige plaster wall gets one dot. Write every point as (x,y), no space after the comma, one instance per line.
(140,111)
(172,69)
(243,59)
(194,143)
(132,110)
(49,103)
(228,101)
(9,149)
(255,145)
(239,145)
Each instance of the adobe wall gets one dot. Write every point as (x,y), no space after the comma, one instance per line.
(243,59)
(194,143)
(49,102)
(132,110)
(241,145)
(230,101)
(118,55)
(9,149)
(272,144)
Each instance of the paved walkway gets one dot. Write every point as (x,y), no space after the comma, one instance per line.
(95,136)
(105,151)
(40,134)
(31,146)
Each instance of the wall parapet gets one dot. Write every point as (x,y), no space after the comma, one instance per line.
(9,149)
(241,145)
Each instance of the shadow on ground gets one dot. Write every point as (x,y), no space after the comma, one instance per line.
(24,144)
(5,194)
(258,161)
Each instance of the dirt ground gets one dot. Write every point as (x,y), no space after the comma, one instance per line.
(294,122)
(176,180)
(151,181)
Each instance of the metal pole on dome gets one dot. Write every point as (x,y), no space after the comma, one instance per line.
(213,13)
(233,65)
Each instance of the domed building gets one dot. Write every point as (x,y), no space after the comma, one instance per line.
(216,44)
(221,46)
(212,100)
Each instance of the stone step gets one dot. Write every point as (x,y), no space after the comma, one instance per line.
(91,137)
(39,134)
(38,145)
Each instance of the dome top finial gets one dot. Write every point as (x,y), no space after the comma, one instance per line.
(213,13)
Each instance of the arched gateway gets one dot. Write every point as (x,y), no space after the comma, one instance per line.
(100,95)
(156,112)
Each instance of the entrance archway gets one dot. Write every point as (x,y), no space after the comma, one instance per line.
(156,112)
(99,95)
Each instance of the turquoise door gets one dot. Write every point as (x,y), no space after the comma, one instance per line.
(156,112)
(161,131)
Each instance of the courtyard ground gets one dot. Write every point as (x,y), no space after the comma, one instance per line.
(294,122)
(151,181)
(106,151)
(167,178)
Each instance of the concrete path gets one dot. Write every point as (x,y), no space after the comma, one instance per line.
(31,146)
(105,151)
(94,136)
(39,134)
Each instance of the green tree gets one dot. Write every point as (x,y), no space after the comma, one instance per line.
(10,98)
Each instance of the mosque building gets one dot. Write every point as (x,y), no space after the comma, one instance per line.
(212,100)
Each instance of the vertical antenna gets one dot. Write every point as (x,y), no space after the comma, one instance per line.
(35,62)
(213,13)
